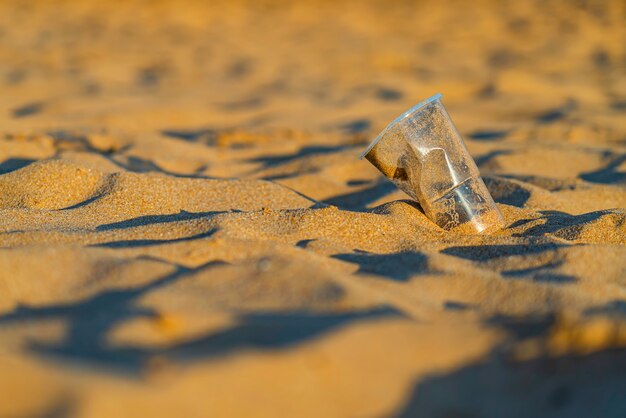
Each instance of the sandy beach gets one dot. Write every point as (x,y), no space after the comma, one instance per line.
(186,228)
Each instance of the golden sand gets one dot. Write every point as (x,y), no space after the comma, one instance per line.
(186,228)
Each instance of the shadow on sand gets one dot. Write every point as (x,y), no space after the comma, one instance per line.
(397,266)
(360,199)
(570,385)
(90,321)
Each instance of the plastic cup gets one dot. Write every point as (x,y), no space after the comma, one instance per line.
(424,155)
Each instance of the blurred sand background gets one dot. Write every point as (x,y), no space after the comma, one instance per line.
(186,229)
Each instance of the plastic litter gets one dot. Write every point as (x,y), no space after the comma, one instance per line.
(424,155)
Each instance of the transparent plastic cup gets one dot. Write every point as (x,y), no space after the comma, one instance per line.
(424,155)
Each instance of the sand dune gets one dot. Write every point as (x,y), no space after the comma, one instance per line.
(186,228)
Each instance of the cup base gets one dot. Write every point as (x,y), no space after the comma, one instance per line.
(466,208)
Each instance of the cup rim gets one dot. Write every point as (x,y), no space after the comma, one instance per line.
(399,119)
